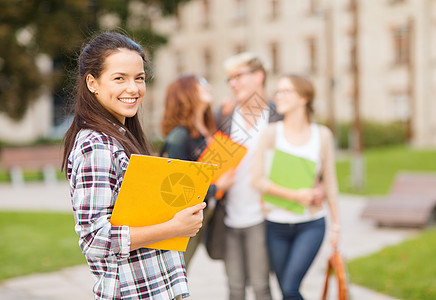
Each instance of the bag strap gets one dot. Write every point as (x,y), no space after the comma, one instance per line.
(326,284)
(336,264)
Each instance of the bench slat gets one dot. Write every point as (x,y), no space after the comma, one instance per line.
(411,202)
(31,157)
(46,158)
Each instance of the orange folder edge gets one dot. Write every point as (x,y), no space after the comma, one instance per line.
(234,162)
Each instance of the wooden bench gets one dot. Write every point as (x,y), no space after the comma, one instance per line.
(410,203)
(46,158)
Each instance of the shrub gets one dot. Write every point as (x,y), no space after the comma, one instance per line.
(375,134)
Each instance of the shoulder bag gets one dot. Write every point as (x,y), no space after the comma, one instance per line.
(337,266)
(216,232)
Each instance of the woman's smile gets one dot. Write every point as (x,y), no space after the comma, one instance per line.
(128,100)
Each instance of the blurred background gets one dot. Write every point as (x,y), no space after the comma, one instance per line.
(373,63)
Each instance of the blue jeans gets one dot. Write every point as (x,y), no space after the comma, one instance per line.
(292,249)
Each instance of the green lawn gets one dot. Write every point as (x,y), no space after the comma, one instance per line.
(43,242)
(37,242)
(381,166)
(29,176)
(405,271)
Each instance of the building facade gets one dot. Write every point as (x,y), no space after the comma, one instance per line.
(395,42)
(37,122)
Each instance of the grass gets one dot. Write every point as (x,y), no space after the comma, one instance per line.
(404,271)
(43,242)
(37,242)
(382,164)
(28,176)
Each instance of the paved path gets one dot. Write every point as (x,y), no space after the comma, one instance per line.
(207,277)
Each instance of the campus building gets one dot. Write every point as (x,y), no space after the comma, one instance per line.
(395,49)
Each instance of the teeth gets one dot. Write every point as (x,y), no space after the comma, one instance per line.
(128,100)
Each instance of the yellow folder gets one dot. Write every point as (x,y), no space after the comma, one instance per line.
(224,152)
(154,189)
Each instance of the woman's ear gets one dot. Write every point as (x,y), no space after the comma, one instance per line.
(91,83)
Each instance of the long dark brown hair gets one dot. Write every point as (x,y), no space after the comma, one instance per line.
(88,112)
(181,101)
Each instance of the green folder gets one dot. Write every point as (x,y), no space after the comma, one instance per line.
(292,172)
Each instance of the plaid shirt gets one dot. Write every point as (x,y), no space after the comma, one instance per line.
(96,166)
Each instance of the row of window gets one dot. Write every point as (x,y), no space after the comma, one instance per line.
(401,44)
(240,11)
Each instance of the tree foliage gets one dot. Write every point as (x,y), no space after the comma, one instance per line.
(58,28)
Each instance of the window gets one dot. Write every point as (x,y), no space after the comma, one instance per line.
(178,17)
(205,13)
(401,45)
(313,6)
(274,53)
(312,55)
(179,62)
(347,51)
(207,58)
(240,11)
(400,106)
(274,9)
(352,54)
(349,4)
(239,48)
(396,1)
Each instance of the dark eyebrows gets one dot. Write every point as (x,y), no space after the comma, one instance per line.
(125,74)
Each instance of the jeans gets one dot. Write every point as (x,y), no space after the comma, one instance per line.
(292,249)
(246,262)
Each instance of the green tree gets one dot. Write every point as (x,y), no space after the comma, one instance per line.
(58,28)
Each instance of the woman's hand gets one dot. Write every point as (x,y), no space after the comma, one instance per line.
(319,194)
(314,196)
(305,196)
(226,180)
(227,106)
(188,222)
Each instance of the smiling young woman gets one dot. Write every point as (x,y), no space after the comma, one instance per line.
(104,133)
(121,87)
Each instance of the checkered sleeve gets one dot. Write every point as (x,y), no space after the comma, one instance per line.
(94,194)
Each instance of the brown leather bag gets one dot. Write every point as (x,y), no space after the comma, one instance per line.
(337,265)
